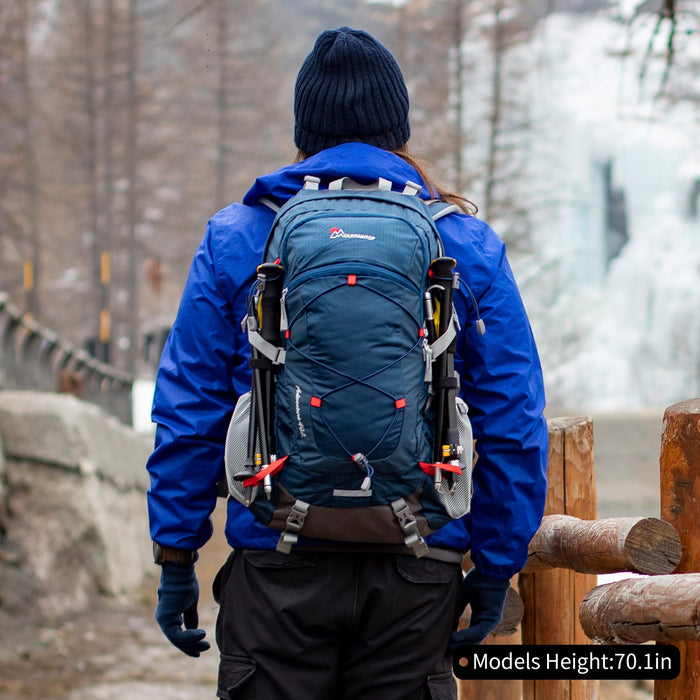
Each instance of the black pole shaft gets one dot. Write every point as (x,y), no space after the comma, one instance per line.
(445,415)
(271,278)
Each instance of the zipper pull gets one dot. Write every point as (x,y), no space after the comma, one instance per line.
(363,463)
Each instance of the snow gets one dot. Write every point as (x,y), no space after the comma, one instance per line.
(141,399)
(613,578)
(624,335)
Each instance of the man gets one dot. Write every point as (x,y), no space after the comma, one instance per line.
(334,621)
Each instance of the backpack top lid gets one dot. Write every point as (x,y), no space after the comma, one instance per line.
(347,188)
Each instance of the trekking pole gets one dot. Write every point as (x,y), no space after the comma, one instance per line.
(253,460)
(447,445)
(250,464)
(270,279)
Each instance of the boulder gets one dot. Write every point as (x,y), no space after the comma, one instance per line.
(74,488)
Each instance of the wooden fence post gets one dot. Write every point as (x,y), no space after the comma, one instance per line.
(552,597)
(680,505)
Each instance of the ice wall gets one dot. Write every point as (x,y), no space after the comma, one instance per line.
(621,333)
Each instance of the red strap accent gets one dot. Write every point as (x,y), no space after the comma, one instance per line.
(287,334)
(270,469)
(421,333)
(315,401)
(400,403)
(277,262)
(352,279)
(429,468)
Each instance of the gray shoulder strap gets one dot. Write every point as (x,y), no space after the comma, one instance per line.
(439,209)
(412,188)
(266,201)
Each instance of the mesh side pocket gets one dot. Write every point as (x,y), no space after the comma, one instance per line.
(457,500)
(236,450)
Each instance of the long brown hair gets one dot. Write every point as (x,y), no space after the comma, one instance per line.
(436,191)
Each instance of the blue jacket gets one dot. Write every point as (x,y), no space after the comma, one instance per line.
(204,369)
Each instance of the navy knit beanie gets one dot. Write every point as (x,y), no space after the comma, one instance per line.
(350,88)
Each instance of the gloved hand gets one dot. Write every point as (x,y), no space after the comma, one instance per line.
(486,596)
(178,595)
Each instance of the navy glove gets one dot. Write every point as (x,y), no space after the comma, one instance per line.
(486,596)
(178,595)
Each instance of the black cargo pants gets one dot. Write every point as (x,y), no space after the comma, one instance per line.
(335,626)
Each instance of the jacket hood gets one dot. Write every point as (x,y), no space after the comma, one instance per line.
(359,161)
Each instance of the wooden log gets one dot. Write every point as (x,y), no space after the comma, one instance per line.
(638,610)
(680,505)
(640,545)
(512,614)
(552,597)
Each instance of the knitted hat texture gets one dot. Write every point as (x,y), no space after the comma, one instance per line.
(350,88)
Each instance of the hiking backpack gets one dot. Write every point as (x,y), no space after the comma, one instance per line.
(336,439)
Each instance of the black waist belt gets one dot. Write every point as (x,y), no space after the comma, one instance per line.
(451,556)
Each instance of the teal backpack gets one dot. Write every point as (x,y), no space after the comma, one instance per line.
(352,335)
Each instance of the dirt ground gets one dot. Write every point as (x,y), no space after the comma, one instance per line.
(115,651)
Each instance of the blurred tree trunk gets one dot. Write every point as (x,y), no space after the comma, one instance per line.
(90,158)
(457,38)
(222,115)
(495,33)
(107,208)
(32,263)
(19,202)
(131,169)
(495,111)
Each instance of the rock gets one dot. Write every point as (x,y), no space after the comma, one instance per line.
(62,431)
(75,492)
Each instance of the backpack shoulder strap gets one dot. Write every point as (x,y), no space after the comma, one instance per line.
(310,183)
(439,209)
(347,183)
(269,203)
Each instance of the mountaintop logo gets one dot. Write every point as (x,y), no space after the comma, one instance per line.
(339,233)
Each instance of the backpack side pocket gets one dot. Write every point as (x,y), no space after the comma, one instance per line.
(236,450)
(457,501)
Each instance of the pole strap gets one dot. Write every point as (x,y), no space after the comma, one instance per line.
(428,361)
(274,353)
(443,342)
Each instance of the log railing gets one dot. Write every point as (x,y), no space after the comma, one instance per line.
(639,545)
(561,603)
(34,358)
